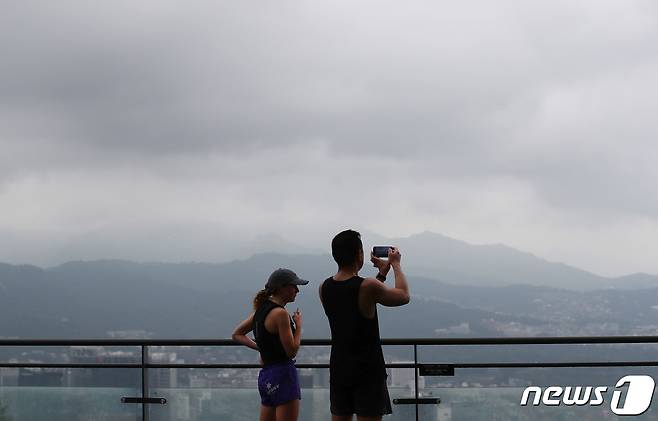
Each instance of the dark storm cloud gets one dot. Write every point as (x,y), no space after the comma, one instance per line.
(551,103)
(427,81)
(230,78)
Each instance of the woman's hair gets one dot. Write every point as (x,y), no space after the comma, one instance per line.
(260,297)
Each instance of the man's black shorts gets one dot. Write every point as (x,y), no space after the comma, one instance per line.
(366,399)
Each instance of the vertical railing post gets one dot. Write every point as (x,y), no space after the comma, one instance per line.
(416,377)
(145,383)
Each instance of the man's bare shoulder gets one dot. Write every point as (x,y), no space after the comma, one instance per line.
(371,285)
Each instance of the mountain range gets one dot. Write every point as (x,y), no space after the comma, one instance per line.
(457,289)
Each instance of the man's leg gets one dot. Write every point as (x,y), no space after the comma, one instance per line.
(372,399)
(341,417)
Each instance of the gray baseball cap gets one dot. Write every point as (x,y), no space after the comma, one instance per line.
(281,277)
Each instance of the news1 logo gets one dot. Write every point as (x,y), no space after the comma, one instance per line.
(638,395)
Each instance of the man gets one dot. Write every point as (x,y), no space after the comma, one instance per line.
(357,374)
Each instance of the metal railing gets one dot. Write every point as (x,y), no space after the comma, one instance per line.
(419,368)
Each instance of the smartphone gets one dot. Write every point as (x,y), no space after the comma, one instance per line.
(381,251)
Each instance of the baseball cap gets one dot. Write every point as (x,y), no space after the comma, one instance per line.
(281,277)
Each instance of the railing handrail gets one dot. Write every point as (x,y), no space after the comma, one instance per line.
(145,399)
(522,340)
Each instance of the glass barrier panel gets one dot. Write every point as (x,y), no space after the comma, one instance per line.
(232,395)
(537,394)
(537,353)
(71,354)
(55,394)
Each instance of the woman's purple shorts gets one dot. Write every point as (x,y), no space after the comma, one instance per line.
(278,383)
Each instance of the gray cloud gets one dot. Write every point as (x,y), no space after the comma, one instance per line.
(549,106)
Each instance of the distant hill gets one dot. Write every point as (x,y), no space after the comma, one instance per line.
(636,280)
(440,257)
(457,289)
(202,300)
(191,300)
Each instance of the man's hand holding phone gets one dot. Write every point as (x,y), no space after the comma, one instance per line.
(394,256)
(376,257)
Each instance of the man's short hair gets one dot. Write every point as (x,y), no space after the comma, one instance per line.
(345,247)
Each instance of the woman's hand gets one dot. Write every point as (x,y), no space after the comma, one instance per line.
(297,318)
(240,333)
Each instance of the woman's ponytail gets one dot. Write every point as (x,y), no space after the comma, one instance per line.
(260,297)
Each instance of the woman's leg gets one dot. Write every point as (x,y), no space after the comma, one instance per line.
(267,413)
(288,411)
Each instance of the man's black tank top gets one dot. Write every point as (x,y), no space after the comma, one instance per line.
(356,351)
(269,345)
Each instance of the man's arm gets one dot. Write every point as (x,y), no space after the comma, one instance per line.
(399,294)
(383,266)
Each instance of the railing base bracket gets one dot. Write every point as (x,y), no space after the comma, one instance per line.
(161,401)
(419,401)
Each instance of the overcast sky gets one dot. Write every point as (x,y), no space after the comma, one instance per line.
(162,130)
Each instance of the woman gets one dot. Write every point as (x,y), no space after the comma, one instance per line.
(277,339)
